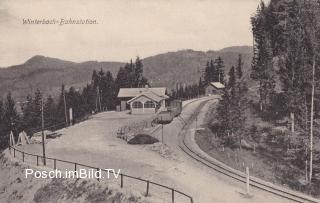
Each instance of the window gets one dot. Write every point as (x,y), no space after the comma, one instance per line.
(149,104)
(136,105)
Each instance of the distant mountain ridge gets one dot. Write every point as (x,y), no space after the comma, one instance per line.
(167,69)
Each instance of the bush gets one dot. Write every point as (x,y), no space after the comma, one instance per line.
(143,139)
(253,131)
(230,141)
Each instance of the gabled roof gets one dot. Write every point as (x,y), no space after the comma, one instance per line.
(133,92)
(217,85)
(151,95)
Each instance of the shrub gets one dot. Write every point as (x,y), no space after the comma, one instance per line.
(143,139)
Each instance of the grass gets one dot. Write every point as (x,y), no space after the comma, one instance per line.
(270,160)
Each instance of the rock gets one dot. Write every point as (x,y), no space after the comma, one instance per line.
(246,145)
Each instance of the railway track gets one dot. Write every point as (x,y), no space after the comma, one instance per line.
(235,174)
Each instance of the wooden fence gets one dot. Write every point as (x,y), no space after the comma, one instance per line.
(173,191)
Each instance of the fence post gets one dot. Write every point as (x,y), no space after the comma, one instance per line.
(22,156)
(98,175)
(54,164)
(75,166)
(37,160)
(44,160)
(9,149)
(248,181)
(121,176)
(172,191)
(147,193)
(14,152)
(191,199)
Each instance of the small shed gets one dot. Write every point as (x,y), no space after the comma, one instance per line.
(214,88)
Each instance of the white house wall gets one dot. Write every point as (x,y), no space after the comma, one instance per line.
(142,110)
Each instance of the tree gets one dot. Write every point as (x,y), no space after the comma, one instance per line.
(231,109)
(49,112)
(239,67)
(36,109)
(61,113)
(262,65)
(75,101)
(201,87)
(208,73)
(28,114)
(219,66)
(214,71)
(11,120)
(3,129)
(131,75)
(223,112)
(139,80)
(108,93)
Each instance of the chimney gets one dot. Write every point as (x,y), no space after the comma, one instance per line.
(146,87)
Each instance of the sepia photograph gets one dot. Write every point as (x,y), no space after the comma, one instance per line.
(160,101)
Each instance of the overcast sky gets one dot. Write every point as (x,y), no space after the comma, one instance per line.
(125,29)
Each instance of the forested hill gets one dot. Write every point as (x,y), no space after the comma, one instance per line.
(187,66)
(281,115)
(166,69)
(48,74)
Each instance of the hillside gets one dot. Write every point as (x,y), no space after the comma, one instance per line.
(187,66)
(15,187)
(48,74)
(166,69)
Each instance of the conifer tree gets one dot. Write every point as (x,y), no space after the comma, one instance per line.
(239,67)
(49,112)
(28,113)
(11,120)
(219,66)
(37,105)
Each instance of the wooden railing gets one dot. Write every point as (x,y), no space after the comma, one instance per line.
(122,175)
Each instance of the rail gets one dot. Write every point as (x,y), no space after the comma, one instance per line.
(172,191)
(238,175)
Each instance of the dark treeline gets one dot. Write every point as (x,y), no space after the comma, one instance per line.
(287,40)
(98,95)
(184,92)
(285,66)
(287,44)
(214,72)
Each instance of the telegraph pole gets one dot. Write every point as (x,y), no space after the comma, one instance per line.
(98,99)
(65,107)
(162,133)
(311,120)
(43,139)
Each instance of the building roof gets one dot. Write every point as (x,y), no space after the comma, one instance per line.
(133,92)
(151,95)
(217,85)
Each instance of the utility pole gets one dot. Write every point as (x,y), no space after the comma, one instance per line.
(65,107)
(71,116)
(162,133)
(311,120)
(196,122)
(98,101)
(43,139)
(99,98)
